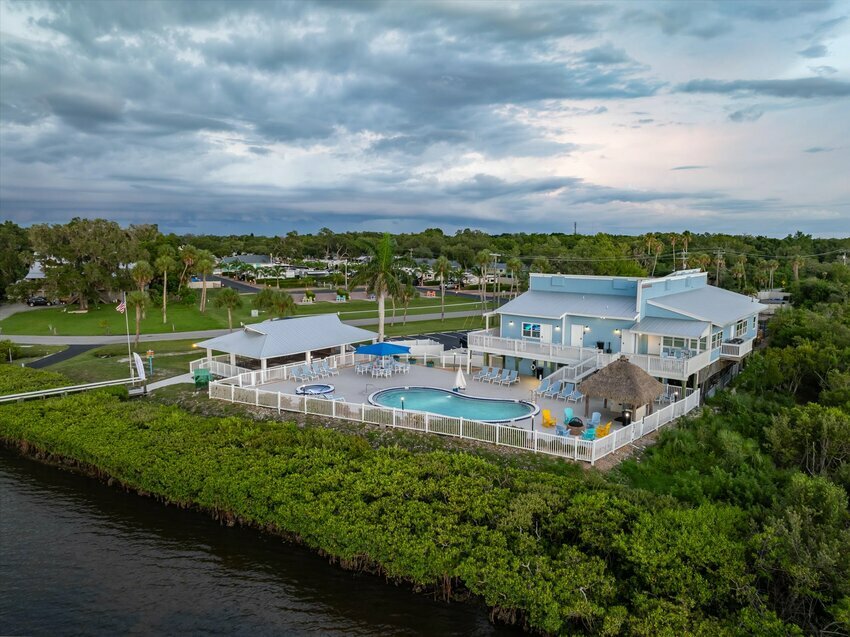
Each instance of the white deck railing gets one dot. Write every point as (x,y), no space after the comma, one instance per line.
(576,372)
(661,366)
(736,350)
(218,366)
(570,447)
(72,389)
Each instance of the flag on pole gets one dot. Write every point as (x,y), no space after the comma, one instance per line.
(122,307)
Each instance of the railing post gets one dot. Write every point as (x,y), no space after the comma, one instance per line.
(426,422)
(393,416)
(278,403)
(461,428)
(233,393)
(333,409)
(256,397)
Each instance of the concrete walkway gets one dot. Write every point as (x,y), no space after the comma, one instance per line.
(203,334)
(174,380)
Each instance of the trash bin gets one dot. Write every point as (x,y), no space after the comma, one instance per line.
(202,378)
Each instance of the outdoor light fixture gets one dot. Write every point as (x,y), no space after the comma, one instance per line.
(511,323)
(587,328)
(617,331)
(557,328)
(402,403)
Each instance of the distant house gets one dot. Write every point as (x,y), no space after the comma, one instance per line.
(257,260)
(675,328)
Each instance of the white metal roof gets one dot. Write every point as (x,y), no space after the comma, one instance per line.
(537,304)
(671,327)
(711,304)
(286,337)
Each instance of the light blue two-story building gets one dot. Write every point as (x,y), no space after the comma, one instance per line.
(676,327)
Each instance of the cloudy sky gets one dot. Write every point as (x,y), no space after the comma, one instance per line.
(267,117)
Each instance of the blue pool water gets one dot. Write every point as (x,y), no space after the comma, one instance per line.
(448,403)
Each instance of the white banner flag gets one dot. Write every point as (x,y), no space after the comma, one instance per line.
(140,366)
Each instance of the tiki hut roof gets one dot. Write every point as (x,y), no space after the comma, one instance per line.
(623,382)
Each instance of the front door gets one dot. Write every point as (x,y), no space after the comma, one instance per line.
(545,333)
(576,335)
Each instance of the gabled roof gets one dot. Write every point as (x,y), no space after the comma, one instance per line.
(711,304)
(671,327)
(554,305)
(271,339)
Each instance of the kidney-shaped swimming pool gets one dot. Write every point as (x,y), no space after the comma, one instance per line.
(449,403)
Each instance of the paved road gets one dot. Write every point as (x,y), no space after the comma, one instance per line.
(202,334)
(239,286)
(58,357)
(7,309)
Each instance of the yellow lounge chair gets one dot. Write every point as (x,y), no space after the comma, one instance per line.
(601,432)
(548,421)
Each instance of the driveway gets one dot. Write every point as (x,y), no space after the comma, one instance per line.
(58,357)
(7,309)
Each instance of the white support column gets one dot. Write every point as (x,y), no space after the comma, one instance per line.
(487,321)
(209,355)
(233,359)
(307,358)
(468,360)
(263,365)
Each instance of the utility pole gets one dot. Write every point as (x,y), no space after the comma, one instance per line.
(575,227)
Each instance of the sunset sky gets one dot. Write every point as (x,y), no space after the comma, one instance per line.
(265,117)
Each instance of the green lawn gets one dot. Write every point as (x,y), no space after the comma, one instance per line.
(104,320)
(110,361)
(424,327)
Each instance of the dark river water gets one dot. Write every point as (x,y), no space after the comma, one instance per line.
(80,558)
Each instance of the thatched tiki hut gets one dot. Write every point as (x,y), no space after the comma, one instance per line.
(622,382)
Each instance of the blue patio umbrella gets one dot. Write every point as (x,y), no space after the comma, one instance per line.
(382,349)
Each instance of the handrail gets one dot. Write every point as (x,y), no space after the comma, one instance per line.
(41,393)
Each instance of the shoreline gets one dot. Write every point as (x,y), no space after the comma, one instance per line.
(452,591)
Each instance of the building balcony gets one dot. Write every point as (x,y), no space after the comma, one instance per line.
(736,351)
(490,342)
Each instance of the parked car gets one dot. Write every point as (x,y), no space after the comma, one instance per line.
(38,300)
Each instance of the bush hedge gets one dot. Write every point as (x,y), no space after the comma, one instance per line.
(16,380)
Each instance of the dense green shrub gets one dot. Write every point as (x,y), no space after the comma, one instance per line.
(563,554)
(16,380)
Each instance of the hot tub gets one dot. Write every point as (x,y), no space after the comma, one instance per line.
(314,389)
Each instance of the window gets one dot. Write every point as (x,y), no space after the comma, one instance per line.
(755,322)
(716,340)
(531,330)
(741,327)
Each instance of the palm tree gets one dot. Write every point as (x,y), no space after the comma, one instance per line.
(674,238)
(719,264)
(772,267)
(165,262)
(138,300)
(514,266)
(142,274)
(442,268)
(188,255)
(406,293)
(796,263)
(702,261)
(277,302)
(482,260)
(656,248)
(739,271)
(686,241)
(204,265)
(380,276)
(229,299)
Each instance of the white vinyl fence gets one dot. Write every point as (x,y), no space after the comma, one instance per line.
(238,390)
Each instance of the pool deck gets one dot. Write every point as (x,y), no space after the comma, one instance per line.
(356,388)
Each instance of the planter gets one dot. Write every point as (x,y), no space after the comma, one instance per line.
(429,364)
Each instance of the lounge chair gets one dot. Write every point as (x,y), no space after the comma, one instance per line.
(319,370)
(299,373)
(575,396)
(482,373)
(548,421)
(595,418)
(495,372)
(568,415)
(554,389)
(542,387)
(510,377)
(332,371)
(601,432)
(506,373)
(565,392)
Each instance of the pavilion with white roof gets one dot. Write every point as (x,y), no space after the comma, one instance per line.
(286,338)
